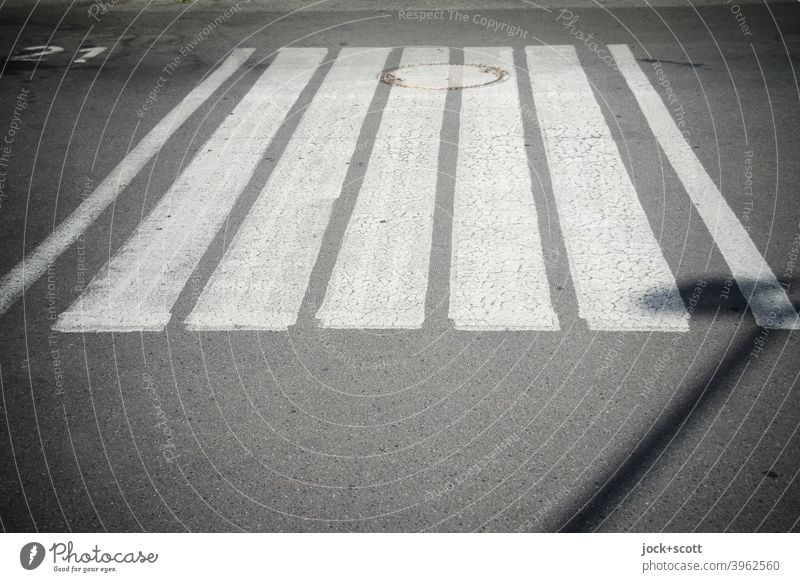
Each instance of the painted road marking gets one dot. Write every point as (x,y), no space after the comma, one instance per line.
(36,53)
(136,290)
(381,275)
(262,279)
(14,284)
(497,278)
(621,278)
(767,299)
(89,53)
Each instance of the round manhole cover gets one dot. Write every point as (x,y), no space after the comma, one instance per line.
(442,76)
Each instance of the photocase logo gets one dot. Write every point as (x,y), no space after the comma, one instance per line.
(31,555)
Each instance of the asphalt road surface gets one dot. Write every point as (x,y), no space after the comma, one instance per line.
(499,267)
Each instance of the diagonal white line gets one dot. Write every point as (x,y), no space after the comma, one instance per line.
(138,287)
(622,280)
(767,299)
(381,276)
(261,280)
(35,263)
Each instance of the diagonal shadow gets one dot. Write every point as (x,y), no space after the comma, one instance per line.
(620,481)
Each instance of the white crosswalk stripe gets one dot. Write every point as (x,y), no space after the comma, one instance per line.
(15,283)
(758,284)
(262,278)
(498,278)
(380,278)
(138,287)
(621,278)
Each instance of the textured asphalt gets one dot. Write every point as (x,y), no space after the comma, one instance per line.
(434,429)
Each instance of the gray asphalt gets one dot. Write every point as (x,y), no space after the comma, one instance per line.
(433,429)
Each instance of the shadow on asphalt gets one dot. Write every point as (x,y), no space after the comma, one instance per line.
(619,482)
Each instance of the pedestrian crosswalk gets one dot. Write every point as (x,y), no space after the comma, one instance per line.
(498,274)
(138,287)
(497,278)
(380,277)
(262,279)
(620,275)
(14,284)
(765,296)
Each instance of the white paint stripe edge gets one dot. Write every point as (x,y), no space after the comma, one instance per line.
(14,284)
(261,281)
(768,301)
(381,275)
(498,279)
(622,281)
(138,287)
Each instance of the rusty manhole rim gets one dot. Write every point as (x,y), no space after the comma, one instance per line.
(388,76)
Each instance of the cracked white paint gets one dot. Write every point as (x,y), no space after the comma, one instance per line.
(14,284)
(768,301)
(497,273)
(381,275)
(261,281)
(621,278)
(138,287)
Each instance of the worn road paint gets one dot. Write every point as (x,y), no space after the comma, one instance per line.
(89,53)
(497,277)
(622,280)
(381,276)
(768,301)
(136,290)
(38,53)
(14,284)
(262,279)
